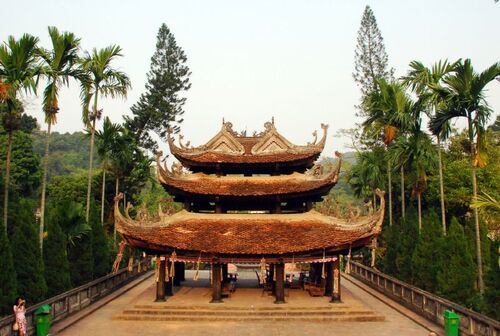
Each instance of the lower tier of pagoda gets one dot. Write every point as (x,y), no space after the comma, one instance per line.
(247,234)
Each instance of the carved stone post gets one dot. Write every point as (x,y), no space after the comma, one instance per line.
(169,291)
(216,283)
(160,284)
(336,281)
(280,285)
(329,279)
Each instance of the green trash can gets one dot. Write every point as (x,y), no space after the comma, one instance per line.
(43,320)
(451,323)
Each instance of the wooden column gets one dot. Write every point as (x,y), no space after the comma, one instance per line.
(160,284)
(280,285)
(336,298)
(169,290)
(225,276)
(216,283)
(329,279)
(271,278)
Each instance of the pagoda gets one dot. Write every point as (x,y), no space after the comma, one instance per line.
(248,199)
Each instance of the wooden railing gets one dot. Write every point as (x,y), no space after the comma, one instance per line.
(424,303)
(75,299)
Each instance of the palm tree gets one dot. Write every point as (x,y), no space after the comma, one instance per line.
(18,68)
(387,113)
(368,173)
(417,153)
(106,143)
(463,92)
(421,80)
(60,64)
(100,79)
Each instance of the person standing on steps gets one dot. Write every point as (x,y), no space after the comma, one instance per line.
(19,311)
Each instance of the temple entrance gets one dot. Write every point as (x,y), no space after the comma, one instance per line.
(276,280)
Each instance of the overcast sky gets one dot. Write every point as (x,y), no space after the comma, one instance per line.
(252,60)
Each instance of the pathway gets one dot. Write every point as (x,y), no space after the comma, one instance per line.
(101,321)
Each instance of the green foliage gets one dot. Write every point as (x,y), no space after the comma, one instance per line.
(400,241)
(56,260)
(427,257)
(492,282)
(81,262)
(100,250)
(26,251)
(69,152)
(8,289)
(72,187)
(457,276)
(161,107)
(25,172)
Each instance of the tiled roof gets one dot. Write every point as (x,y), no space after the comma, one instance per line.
(261,234)
(317,178)
(266,147)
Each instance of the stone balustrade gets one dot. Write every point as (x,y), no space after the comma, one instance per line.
(75,299)
(424,303)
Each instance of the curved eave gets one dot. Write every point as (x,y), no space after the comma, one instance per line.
(204,155)
(248,234)
(247,186)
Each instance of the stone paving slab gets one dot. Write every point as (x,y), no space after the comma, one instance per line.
(101,321)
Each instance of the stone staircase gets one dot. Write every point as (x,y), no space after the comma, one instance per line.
(220,312)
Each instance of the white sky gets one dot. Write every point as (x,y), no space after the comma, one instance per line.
(251,60)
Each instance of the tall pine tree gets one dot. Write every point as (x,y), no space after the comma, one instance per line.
(8,288)
(161,106)
(27,255)
(371,60)
(457,276)
(426,260)
(55,257)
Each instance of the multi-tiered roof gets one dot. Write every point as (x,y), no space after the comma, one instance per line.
(248,197)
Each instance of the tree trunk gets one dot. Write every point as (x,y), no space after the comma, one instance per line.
(373,262)
(374,201)
(389,181)
(44,184)
(441,186)
(7,181)
(117,182)
(476,214)
(478,234)
(403,206)
(419,201)
(102,195)
(89,183)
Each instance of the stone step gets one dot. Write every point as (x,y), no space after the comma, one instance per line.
(222,307)
(207,312)
(198,318)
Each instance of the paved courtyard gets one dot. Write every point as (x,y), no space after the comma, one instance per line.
(101,322)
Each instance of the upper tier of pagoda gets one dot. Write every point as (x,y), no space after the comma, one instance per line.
(184,185)
(230,152)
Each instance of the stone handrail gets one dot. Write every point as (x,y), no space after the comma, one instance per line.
(76,299)
(424,303)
